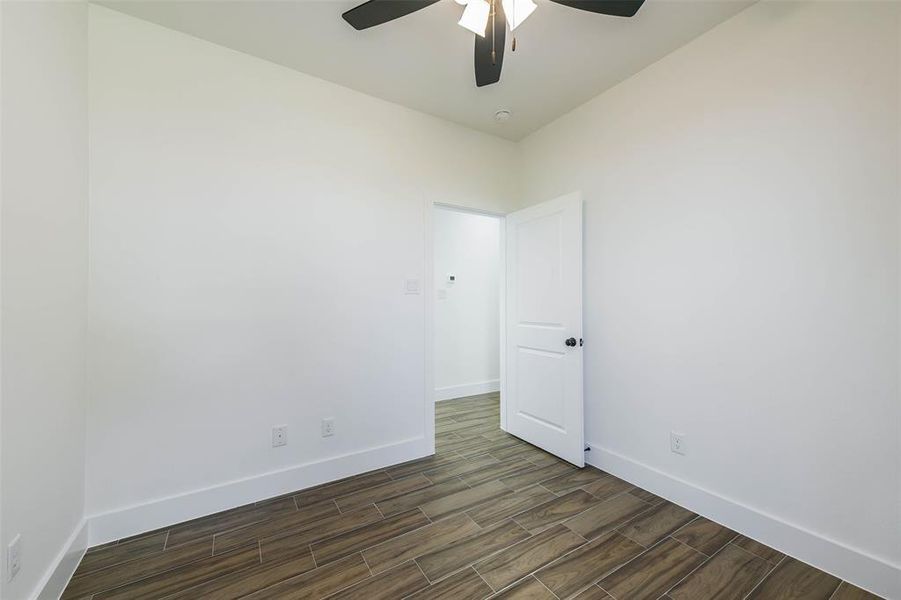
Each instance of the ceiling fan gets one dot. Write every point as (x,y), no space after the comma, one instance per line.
(488,19)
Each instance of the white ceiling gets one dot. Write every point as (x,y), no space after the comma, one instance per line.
(424,61)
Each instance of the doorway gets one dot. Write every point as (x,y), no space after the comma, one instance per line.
(504,321)
(467,280)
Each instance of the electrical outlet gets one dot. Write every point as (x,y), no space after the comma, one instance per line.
(328,427)
(13,557)
(279,436)
(677,443)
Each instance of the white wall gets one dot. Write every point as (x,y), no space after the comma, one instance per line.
(742,276)
(43,287)
(251,232)
(467,311)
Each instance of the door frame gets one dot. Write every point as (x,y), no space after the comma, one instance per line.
(429,290)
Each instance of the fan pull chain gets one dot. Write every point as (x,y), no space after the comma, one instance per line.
(493,29)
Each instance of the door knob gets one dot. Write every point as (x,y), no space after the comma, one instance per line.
(571,342)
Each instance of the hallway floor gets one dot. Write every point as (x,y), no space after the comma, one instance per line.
(487,516)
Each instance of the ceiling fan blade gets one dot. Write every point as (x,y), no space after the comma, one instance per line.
(616,8)
(375,12)
(489,51)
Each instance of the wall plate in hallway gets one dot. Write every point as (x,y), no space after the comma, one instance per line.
(14,557)
(279,436)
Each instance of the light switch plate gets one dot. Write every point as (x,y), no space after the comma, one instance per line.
(411,286)
(13,557)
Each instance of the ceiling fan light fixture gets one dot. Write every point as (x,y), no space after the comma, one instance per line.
(475,16)
(518,11)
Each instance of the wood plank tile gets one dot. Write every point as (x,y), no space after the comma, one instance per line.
(506,468)
(468,550)
(339,546)
(460,467)
(586,565)
(456,427)
(185,576)
(467,444)
(507,506)
(646,496)
(556,510)
(500,434)
(317,583)
(573,480)
(483,445)
(656,524)
(794,580)
(421,465)
(441,445)
(341,487)
(525,452)
(528,589)
(524,480)
(464,499)
(110,555)
(729,575)
(240,583)
(544,460)
(473,430)
(203,527)
(398,582)
(421,541)
(606,516)
(705,536)
(531,554)
(608,487)
(134,570)
(754,547)
(382,492)
(301,520)
(654,572)
(593,593)
(412,500)
(282,545)
(846,591)
(463,585)
(491,415)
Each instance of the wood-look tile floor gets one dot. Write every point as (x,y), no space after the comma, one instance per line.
(487,516)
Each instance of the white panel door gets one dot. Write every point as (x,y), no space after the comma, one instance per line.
(544,327)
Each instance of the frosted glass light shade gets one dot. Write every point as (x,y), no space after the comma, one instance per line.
(475,16)
(518,11)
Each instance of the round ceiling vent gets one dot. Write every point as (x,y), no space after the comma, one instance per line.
(502,115)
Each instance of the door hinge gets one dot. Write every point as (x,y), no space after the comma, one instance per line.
(581,343)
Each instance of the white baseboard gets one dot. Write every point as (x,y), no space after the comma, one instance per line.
(467,389)
(57,577)
(863,570)
(161,512)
